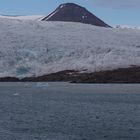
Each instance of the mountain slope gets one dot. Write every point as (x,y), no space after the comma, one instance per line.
(30,48)
(74,13)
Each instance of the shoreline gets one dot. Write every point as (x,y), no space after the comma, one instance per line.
(121,75)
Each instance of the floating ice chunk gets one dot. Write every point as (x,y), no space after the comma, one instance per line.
(27,84)
(42,85)
(16,94)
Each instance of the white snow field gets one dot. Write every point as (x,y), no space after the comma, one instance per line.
(31,17)
(32,47)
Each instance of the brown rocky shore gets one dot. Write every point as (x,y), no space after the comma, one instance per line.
(122,75)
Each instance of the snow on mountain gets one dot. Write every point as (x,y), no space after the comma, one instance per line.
(31,17)
(35,47)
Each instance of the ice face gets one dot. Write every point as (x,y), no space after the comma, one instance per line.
(31,47)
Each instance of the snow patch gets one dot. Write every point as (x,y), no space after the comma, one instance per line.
(52,14)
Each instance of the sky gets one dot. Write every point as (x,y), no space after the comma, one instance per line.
(113,12)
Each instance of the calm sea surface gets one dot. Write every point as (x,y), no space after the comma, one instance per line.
(63,111)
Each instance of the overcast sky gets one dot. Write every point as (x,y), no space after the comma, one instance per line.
(114,12)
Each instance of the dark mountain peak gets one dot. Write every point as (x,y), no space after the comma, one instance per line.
(69,5)
(71,12)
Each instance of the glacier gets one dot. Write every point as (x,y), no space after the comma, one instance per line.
(33,47)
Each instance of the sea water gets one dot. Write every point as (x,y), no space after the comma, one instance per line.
(64,111)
